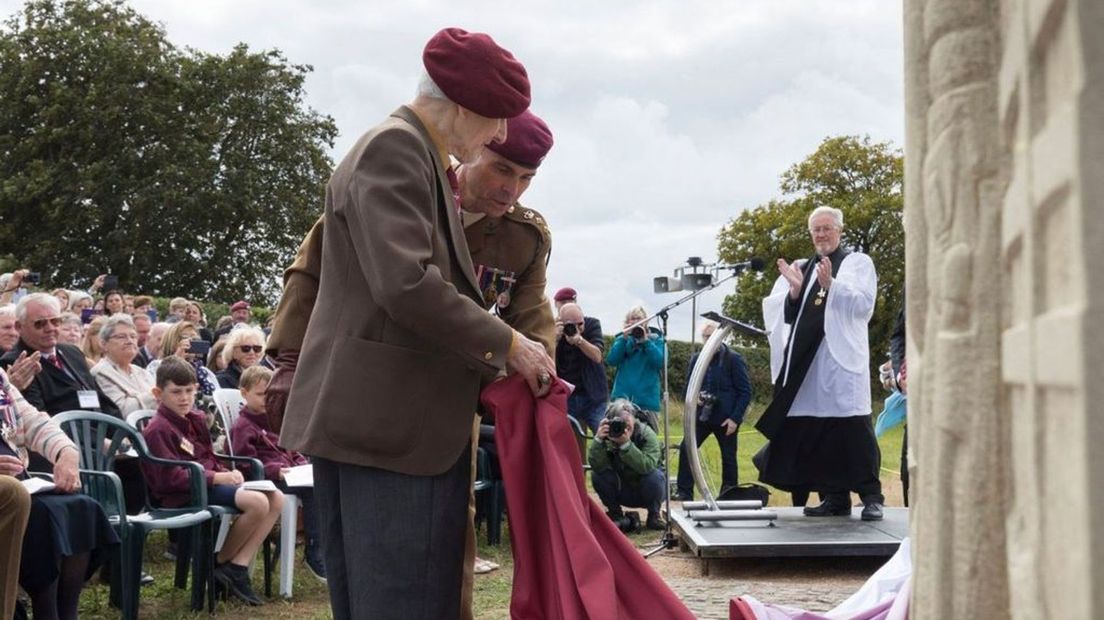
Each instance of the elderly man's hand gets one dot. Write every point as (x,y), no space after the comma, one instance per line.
(793,276)
(24,369)
(824,273)
(529,359)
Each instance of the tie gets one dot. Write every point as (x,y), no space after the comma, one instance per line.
(454,183)
(56,361)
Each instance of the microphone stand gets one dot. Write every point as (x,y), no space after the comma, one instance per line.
(669,540)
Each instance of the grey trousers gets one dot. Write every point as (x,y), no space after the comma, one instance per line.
(394,543)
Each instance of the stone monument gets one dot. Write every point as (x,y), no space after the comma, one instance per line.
(1004,205)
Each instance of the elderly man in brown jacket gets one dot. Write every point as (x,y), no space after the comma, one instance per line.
(398,342)
(509,245)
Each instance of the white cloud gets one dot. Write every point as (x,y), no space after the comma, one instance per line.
(669,117)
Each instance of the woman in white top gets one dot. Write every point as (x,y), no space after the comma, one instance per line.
(124,383)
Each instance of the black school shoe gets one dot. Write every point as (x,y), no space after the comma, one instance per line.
(236,581)
(829,508)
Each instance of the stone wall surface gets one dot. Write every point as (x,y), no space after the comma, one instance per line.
(1004,213)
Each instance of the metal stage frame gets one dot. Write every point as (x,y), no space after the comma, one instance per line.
(792,534)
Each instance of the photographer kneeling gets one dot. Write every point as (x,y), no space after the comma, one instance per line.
(624,463)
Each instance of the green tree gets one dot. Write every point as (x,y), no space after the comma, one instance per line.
(864,180)
(185,173)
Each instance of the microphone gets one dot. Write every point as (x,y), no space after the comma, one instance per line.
(755,264)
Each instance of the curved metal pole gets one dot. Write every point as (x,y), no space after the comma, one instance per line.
(690,413)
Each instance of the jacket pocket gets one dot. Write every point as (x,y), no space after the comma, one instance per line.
(380,398)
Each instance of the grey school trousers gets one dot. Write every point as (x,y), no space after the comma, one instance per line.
(394,543)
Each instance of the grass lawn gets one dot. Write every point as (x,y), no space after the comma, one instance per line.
(492,591)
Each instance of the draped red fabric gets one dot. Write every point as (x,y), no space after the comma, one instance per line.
(570,561)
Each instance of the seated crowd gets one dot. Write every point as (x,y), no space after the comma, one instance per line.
(75,350)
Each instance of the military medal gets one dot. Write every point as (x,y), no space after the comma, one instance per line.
(497,285)
(821,294)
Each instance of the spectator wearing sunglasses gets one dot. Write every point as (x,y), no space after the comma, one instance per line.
(244,348)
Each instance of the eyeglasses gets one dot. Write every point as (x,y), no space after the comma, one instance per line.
(250,348)
(817,230)
(41,323)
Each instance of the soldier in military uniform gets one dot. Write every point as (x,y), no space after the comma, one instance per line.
(509,244)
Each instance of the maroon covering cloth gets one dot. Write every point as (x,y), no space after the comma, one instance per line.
(570,560)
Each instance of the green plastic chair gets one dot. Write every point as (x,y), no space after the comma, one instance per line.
(221,515)
(100,438)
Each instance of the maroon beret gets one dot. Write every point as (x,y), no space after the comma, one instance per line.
(239,305)
(527,140)
(565,294)
(473,71)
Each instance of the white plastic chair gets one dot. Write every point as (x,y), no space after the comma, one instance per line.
(229,401)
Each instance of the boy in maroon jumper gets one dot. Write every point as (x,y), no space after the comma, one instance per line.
(252,437)
(178,431)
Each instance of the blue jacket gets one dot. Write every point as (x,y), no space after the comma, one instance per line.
(727,379)
(638,369)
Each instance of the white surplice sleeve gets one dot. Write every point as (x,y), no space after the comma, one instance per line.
(849,307)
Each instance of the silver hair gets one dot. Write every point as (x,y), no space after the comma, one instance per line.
(636,314)
(43,299)
(113,322)
(236,335)
(8,310)
(620,406)
(75,297)
(837,215)
(428,88)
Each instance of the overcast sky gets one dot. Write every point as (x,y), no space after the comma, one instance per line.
(669,117)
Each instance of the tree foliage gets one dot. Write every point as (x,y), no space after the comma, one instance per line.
(860,177)
(183,172)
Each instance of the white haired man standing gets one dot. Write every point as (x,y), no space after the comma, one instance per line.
(399,342)
(821,436)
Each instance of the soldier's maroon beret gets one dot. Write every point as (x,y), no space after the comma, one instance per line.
(565,294)
(473,71)
(528,140)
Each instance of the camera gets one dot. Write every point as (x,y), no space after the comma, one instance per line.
(616,426)
(570,329)
(637,332)
(33,277)
(705,406)
(110,283)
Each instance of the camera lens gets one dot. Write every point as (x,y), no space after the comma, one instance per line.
(637,332)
